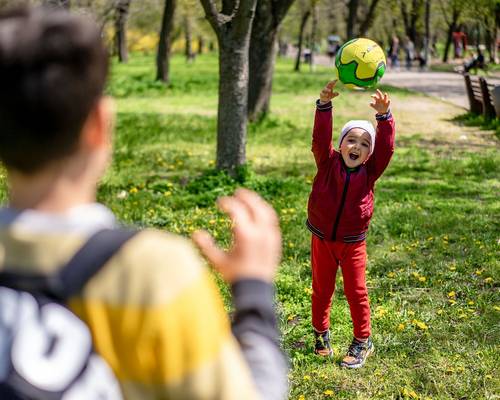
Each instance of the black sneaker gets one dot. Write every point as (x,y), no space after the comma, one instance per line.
(358,353)
(322,346)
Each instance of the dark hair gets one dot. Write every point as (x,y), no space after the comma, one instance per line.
(53,68)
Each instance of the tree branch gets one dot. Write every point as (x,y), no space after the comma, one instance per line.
(217,19)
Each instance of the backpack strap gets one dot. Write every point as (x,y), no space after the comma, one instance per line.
(72,277)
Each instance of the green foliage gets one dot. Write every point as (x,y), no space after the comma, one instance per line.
(433,245)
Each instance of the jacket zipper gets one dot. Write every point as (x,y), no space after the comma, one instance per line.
(341,207)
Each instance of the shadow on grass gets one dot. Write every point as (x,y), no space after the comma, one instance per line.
(470,119)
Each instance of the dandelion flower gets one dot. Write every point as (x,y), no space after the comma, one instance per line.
(419,324)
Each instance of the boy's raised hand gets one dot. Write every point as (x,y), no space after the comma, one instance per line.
(256,249)
(381,102)
(327,94)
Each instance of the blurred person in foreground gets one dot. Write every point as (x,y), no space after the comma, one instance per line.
(154,311)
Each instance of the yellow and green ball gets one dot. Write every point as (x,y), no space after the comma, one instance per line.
(360,63)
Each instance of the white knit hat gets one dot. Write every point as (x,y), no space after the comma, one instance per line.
(365,125)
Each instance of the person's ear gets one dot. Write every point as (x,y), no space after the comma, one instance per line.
(98,127)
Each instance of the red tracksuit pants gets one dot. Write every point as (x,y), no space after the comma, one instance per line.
(326,257)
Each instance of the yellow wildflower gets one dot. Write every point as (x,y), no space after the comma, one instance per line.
(451,294)
(410,393)
(328,392)
(489,279)
(419,324)
(302,397)
(422,278)
(133,190)
(391,274)
(307,378)
(401,327)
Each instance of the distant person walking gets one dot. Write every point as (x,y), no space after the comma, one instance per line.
(409,48)
(393,53)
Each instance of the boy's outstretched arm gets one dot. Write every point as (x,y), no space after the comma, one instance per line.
(384,142)
(322,147)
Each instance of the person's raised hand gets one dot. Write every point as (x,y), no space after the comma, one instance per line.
(327,94)
(256,248)
(381,102)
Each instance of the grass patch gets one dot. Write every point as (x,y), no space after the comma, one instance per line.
(470,119)
(434,242)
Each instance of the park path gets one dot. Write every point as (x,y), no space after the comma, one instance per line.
(445,86)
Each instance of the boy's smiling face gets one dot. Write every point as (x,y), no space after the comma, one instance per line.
(355,147)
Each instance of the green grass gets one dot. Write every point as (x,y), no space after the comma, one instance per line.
(470,119)
(434,241)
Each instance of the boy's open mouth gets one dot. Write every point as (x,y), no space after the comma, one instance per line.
(353,156)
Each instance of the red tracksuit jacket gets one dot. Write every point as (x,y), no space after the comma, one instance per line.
(341,201)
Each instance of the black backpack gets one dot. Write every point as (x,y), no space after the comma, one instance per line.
(46,351)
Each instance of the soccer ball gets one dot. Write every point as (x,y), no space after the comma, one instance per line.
(360,63)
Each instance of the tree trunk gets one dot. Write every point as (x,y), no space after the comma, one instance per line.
(351,18)
(121,15)
(232,110)
(449,36)
(303,23)
(314,30)
(233,27)
(163,54)
(427,39)
(488,39)
(188,39)
(201,44)
(262,54)
(262,60)
(415,15)
(367,23)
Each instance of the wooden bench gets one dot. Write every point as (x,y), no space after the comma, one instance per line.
(480,96)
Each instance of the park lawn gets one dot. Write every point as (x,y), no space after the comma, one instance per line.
(433,246)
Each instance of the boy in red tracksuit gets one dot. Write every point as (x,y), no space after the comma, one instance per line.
(339,211)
